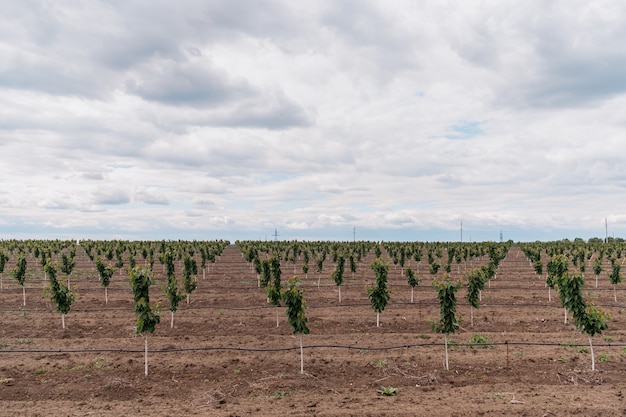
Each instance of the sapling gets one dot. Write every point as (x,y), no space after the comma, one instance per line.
(106,272)
(448,323)
(3,261)
(337,274)
(173,293)
(556,268)
(273,286)
(475,284)
(147,319)
(597,268)
(615,278)
(190,268)
(379,294)
(61,294)
(68,266)
(293,298)
(587,317)
(412,279)
(19,273)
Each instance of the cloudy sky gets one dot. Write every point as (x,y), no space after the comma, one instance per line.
(392,120)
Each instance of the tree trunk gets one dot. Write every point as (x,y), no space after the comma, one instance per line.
(445,341)
(340,294)
(23,295)
(106,295)
(593,358)
(471,316)
(301,356)
(62,321)
(276,316)
(172,320)
(412,288)
(377,319)
(565,314)
(145,355)
(614,294)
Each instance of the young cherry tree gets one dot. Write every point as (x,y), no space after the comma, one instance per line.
(597,268)
(412,279)
(587,317)
(446,290)
(273,286)
(19,273)
(379,294)
(140,281)
(190,268)
(106,272)
(615,277)
(475,283)
(173,293)
(293,298)
(61,294)
(3,261)
(337,274)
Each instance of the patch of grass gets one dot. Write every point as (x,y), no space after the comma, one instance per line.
(237,371)
(604,357)
(4,344)
(583,349)
(279,394)
(75,368)
(563,359)
(479,341)
(380,363)
(40,371)
(424,336)
(24,341)
(608,339)
(388,391)
(518,354)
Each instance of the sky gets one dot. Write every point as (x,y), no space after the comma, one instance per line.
(404,120)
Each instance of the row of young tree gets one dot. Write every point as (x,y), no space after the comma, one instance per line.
(60,256)
(266,259)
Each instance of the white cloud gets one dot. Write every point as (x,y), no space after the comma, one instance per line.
(312,117)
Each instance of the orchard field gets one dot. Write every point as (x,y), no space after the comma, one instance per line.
(226,356)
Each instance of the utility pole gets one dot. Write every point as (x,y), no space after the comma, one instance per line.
(606,231)
(275,234)
(354,234)
(461,232)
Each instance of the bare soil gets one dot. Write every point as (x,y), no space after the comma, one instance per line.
(226,357)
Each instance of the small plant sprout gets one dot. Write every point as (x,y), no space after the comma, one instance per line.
(19,273)
(106,272)
(448,323)
(388,391)
(60,294)
(412,279)
(296,307)
(379,294)
(147,319)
